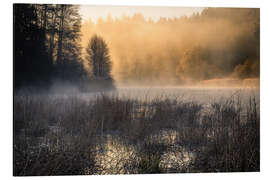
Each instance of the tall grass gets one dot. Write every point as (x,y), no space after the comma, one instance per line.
(108,134)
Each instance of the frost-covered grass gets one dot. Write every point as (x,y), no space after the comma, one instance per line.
(108,134)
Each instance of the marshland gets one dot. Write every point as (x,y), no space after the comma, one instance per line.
(115,133)
(136,93)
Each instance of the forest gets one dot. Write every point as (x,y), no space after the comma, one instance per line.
(47,50)
(217,43)
(51,42)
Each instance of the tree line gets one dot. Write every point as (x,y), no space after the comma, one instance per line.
(52,45)
(216,43)
(47,48)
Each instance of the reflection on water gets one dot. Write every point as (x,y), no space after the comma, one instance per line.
(165,137)
(176,159)
(116,157)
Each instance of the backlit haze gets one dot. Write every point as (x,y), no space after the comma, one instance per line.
(95,12)
(177,45)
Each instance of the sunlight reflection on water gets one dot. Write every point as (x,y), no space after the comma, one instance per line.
(116,157)
(177,159)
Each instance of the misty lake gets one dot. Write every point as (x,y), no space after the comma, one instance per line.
(187,94)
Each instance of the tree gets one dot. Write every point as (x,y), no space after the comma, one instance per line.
(98,58)
(196,65)
(47,44)
(31,64)
(68,53)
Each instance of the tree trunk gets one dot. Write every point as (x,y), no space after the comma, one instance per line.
(60,39)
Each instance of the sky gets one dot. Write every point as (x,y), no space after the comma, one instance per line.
(94,12)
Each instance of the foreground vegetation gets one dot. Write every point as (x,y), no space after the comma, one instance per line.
(106,134)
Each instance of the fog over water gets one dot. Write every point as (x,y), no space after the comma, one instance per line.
(202,95)
(144,92)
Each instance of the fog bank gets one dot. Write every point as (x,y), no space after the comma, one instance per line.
(218,43)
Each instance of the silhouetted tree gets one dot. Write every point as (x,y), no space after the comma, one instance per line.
(47,44)
(98,57)
(31,64)
(68,53)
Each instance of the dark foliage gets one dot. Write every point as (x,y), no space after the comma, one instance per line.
(31,62)
(47,47)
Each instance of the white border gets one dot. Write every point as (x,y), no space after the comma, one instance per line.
(195,3)
(6,83)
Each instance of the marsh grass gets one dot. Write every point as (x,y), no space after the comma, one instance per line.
(107,134)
